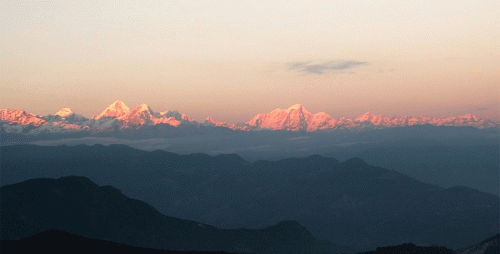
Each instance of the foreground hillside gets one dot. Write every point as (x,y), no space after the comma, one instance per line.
(351,202)
(79,206)
(61,242)
(111,222)
(51,241)
(488,246)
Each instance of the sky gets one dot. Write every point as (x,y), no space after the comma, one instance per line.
(231,60)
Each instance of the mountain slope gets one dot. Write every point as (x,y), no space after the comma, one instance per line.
(488,246)
(18,116)
(295,118)
(57,242)
(117,109)
(79,206)
(64,112)
(350,202)
(410,249)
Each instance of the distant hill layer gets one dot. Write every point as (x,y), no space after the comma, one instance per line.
(352,203)
(488,246)
(79,206)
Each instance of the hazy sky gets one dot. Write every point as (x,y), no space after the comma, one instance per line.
(233,59)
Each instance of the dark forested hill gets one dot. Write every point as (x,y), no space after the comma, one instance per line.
(409,248)
(79,206)
(442,155)
(61,242)
(488,246)
(348,202)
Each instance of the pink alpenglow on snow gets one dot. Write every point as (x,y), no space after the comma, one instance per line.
(187,118)
(117,109)
(295,118)
(64,112)
(140,115)
(19,116)
(210,121)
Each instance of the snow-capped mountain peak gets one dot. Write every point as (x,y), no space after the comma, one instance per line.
(297,118)
(117,109)
(118,116)
(164,112)
(140,115)
(295,107)
(365,117)
(187,118)
(374,119)
(294,118)
(142,107)
(211,122)
(169,113)
(469,117)
(19,116)
(64,112)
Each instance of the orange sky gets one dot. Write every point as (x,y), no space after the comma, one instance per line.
(233,59)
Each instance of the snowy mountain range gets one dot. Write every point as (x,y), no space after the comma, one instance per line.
(118,116)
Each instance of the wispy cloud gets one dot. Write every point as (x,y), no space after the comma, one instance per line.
(321,68)
(482,108)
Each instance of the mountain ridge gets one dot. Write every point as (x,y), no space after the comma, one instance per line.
(119,117)
(349,202)
(79,206)
(50,241)
(488,246)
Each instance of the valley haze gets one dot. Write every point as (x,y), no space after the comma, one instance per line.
(448,151)
(350,203)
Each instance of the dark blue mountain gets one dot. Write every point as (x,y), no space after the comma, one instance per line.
(352,202)
(78,206)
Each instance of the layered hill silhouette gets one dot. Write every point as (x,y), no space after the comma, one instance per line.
(488,246)
(465,144)
(51,241)
(61,242)
(348,202)
(410,248)
(79,206)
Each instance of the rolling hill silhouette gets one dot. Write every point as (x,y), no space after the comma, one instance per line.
(348,202)
(79,206)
